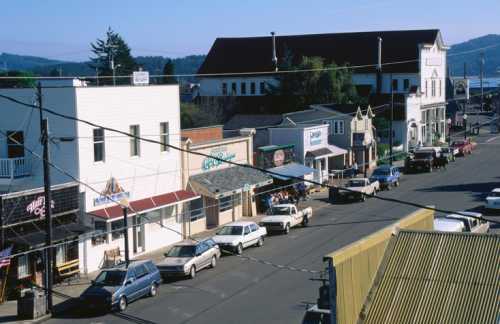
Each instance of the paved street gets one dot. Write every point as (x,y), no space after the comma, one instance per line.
(239,291)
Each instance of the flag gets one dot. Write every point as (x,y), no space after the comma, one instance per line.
(4,257)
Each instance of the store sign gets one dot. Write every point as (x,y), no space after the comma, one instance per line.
(461,89)
(219,153)
(140,78)
(315,137)
(111,194)
(37,207)
(279,157)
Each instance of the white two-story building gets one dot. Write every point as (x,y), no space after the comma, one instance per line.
(413,66)
(145,176)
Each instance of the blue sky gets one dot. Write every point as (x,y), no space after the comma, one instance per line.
(63,29)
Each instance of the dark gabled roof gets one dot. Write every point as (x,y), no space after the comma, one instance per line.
(436,277)
(253,54)
(240,121)
(313,116)
(399,110)
(344,108)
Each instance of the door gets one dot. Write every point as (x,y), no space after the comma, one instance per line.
(247,236)
(130,289)
(139,238)
(204,255)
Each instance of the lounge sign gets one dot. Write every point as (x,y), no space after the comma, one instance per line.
(37,207)
(112,193)
(219,153)
(315,137)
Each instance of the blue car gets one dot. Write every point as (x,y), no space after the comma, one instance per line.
(115,288)
(388,176)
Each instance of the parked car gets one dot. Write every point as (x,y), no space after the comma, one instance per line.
(316,315)
(356,189)
(425,160)
(284,216)
(464,146)
(474,224)
(493,200)
(450,153)
(236,236)
(388,176)
(188,257)
(115,288)
(448,225)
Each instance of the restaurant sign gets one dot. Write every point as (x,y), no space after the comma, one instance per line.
(219,153)
(112,193)
(315,137)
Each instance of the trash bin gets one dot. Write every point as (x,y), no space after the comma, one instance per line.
(32,305)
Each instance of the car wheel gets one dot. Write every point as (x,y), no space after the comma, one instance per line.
(374,192)
(305,221)
(396,184)
(430,169)
(287,228)
(153,290)
(363,198)
(260,242)
(213,263)
(122,304)
(239,249)
(192,272)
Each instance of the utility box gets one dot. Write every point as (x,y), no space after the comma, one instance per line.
(32,305)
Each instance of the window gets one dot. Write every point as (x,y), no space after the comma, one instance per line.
(338,127)
(99,150)
(366,124)
(262,87)
(254,227)
(225,203)
(164,136)
(406,84)
(224,88)
(23,266)
(433,88)
(196,209)
(117,229)
(440,88)
(140,271)
(395,84)
(252,88)
(247,230)
(426,87)
(100,227)
(135,149)
(243,88)
(233,88)
(15,144)
(423,117)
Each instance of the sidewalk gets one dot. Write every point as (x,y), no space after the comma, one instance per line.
(65,294)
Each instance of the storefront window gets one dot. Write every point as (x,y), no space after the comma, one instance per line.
(154,217)
(23,267)
(196,209)
(100,227)
(225,203)
(116,228)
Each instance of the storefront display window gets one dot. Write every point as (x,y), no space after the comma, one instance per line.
(196,209)
(100,227)
(225,203)
(23,267)
(116,227)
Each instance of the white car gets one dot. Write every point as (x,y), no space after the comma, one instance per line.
(236,236)
(448,225)
(474,224)
(283,216)
(493,199)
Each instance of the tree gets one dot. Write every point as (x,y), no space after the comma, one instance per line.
(319,83)
(112,49)
(168,69)
(24,82)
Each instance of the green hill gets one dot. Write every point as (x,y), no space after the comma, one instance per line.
(469,52)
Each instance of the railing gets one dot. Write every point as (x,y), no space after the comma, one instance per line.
(14,168)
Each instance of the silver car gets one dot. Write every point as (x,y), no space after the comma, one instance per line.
(188,257)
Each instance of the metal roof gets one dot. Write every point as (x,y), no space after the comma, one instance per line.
(436,277)
(291,170)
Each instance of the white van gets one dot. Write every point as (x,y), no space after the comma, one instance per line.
(448,225)
(473,222)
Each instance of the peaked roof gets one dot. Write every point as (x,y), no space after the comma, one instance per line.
(240,121)
(254,54)
(436,277)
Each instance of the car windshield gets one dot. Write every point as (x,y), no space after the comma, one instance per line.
(494,194)
(181,251)
(356,183)
(279,211)
(458,143)
(230,230)
(110,278)
(382,172)
(423,155)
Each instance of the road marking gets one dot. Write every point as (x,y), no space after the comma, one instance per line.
(492,139)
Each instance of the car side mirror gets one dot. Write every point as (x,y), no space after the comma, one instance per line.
(129,281)
(198,253)
(92,282)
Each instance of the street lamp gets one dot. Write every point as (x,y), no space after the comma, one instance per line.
(448,122)
(465,126)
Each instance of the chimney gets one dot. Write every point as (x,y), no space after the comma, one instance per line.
(275,58)
(379,66)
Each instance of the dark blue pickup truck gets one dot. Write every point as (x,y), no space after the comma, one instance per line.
(387,176)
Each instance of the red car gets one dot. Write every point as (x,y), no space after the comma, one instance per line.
(464,146)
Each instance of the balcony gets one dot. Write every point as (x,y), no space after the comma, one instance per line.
(14,168)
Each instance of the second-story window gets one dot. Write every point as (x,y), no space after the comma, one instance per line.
(433,88)
(135,148)
(164,136)
(15,144)
(262,87)
(395,84)
(233,89)
(252,88)
(440,88)
(338,127)
(99,149)
(426,88)
(224,88)
(243,88)
(406,84)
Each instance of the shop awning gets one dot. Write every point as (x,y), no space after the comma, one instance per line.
(291,170)
(228,181)
(59,234)
(327,151)
(142,205)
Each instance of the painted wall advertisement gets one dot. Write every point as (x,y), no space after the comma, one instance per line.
(220,153)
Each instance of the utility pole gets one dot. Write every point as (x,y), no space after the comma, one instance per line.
(481,76)
(44,138)
(97,76)
(125,233)
(390,123)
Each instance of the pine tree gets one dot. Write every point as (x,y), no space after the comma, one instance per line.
(168,69)
(115,49)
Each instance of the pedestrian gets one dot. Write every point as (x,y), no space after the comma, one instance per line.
(355,168)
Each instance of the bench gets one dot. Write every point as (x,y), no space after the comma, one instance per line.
(112,257)
(68,269)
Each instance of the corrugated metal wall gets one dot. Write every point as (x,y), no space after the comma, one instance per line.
(357,264)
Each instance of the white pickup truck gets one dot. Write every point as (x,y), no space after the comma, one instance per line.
(236,236)
(357,187)
(284,216)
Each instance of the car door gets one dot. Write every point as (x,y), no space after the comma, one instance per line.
(202,257)
(247,236)
(142,275)
(130,289)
